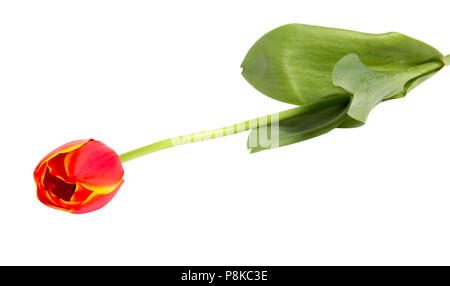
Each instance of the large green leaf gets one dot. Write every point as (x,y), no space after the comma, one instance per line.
(294,63)
(336,76)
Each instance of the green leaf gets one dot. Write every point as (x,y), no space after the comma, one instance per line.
(365,87)
(303,123)
(294,63)
(336,76)
(370,87)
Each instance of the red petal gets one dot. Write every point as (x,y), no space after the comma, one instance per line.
(81,195)
(58,169)
(40,168)
(95,201)
(52,191)
(94,164)
(61,189)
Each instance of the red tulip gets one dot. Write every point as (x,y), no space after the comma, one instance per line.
(79,177)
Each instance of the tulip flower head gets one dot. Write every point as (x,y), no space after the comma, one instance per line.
(79,177)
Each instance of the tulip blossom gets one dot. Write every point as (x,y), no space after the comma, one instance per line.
(79,177)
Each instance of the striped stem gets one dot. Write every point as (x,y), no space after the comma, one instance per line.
(233,129)
(205,135)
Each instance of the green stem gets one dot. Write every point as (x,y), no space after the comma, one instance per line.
(447,60)
(232,129)
(209,134)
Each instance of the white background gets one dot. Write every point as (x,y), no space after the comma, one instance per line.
(129,73)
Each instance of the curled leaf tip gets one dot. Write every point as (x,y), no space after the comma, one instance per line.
(369,87)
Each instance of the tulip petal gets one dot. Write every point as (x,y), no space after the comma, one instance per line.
(61,189)
(45,198)
(57,168)
(95,165)
(80,195)
(95,201)
(102,189)
(40,168)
